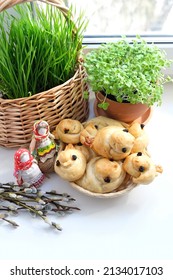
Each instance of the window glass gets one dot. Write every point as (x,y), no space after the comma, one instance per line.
(118,17)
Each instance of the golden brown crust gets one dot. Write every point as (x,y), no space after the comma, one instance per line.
(88,134)
(102,121)
(113,142)
(68,131)
(100,154)
(86,151)
(102,175)
(141,138)
(70,164)
(141,168)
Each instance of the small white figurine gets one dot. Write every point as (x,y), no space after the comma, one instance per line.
(26,169)
(43,145)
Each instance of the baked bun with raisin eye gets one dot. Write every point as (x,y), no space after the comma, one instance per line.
(68,131)
(141,168)
(70,163)
(113,142)
(102,175)
(92,126)
(141,138)
(88,134)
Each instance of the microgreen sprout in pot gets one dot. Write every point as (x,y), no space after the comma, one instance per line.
(128,72)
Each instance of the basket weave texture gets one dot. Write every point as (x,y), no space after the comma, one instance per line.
(17,116)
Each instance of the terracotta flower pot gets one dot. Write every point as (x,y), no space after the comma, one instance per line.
(124,112)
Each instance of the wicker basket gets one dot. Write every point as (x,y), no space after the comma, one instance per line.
(17,116)
(125,187)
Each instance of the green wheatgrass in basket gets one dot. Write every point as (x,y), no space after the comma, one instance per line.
(39,49)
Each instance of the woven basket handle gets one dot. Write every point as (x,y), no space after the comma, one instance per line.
(57,3)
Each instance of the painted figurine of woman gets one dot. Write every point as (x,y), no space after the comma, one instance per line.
(26,169)
(43,145)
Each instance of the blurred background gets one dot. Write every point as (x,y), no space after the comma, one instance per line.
(118,17)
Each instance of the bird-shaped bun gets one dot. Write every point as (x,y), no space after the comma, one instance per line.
(141,168)
(68,131)
(70,164)
(113,142)
(102,175)
(92,126)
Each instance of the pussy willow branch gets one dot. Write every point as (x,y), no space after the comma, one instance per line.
(14,198)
